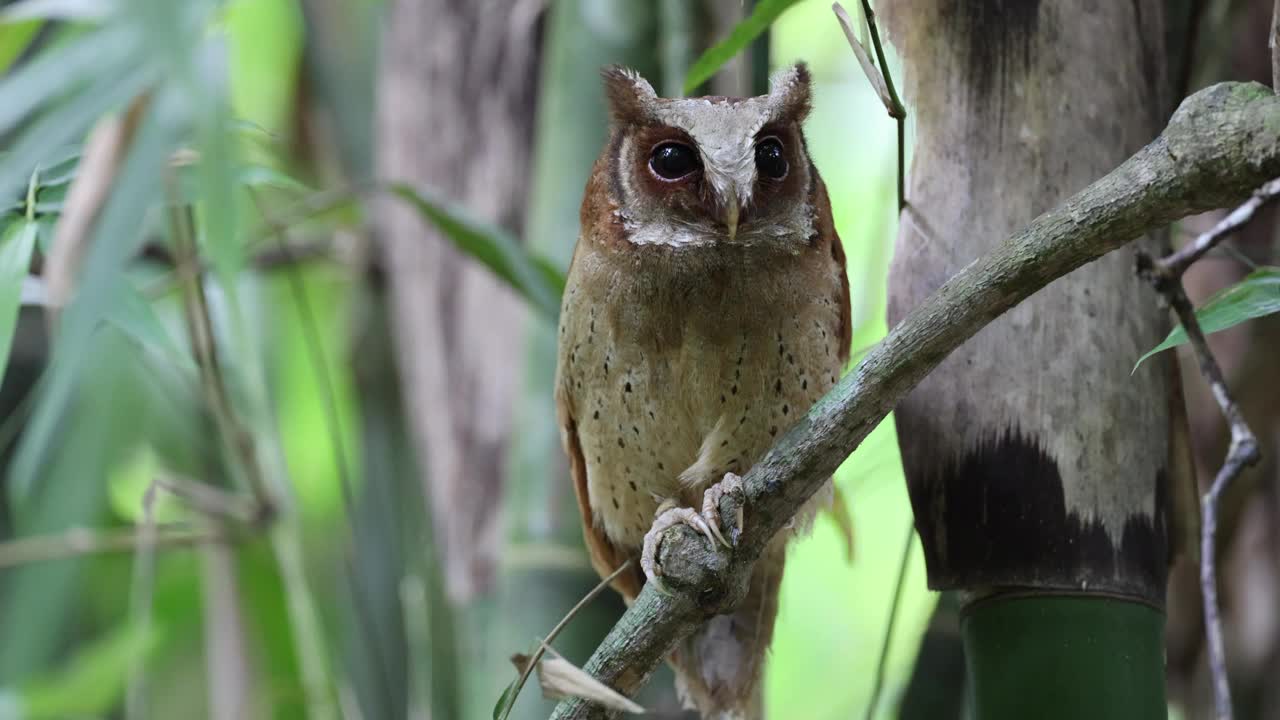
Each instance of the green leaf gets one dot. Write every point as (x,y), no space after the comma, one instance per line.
(762,16)
(54,73)
(261,176)
(134,316)
(91,685)
(14,39)
(114,240)
(16,246)
(1253,297)
(65,122)
(503,700)
(70,10)
(533,277)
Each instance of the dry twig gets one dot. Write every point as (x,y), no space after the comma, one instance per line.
(1165,276)
(882,81)
(84,541)
(1177,263)
(199,323)
(1274,44)
(104,153)
(527,664)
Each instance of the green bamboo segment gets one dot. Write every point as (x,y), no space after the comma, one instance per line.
(1064,657)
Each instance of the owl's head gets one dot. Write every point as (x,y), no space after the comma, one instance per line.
(711,170)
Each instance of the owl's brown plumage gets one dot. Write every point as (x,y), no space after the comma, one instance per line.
(707,307)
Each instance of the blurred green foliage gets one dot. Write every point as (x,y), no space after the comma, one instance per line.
(121,401)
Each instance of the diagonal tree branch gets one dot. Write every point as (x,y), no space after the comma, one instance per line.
(1220,144)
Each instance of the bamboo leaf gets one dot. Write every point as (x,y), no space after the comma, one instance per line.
(15,37)
(261,176)
(71,10)
(503,700)
(64,123)
(116,237)
(52,74)
(1253,297)
(16,245)
(762,16)
(91,684)
(133,315)
(533,277)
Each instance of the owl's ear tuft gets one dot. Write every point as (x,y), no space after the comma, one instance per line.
(630,96)
(790,93)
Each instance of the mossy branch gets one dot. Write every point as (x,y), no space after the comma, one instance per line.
(1220,145)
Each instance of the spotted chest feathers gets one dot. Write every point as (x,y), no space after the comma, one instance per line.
(679,369)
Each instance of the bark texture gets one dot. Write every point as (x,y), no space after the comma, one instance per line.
(1219,146)
(455,114)
(1033,457)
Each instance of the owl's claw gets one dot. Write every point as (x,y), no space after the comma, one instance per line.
(667,518)
(711,507)
(707,522)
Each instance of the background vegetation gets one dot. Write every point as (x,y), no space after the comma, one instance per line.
(211,504)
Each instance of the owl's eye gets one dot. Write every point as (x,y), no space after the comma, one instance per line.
(672,161)
(769,158)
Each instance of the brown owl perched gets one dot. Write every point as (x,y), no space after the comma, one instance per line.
(706,309)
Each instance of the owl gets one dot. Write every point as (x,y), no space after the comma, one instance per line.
(706,309)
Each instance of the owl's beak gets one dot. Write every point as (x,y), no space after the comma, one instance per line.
(731,217)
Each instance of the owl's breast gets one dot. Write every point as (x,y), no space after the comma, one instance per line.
(672,385)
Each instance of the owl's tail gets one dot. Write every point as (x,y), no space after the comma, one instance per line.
(720,666)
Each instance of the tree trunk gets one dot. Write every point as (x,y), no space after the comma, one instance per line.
(455,111)
(1037,464)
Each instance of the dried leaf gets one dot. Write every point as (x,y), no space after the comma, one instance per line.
(560,678)
(104,152)
(868,67)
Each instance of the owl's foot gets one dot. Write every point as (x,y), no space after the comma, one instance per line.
(667,517)
(707,522)
(711,507)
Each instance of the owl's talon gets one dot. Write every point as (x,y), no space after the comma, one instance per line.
(711,507)
(667,518)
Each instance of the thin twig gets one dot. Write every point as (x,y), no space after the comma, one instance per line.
(883,662)
(881,80)
(143,592)
(1274,44)
(265,259)
(899,110)
(199,323)
(315,351)
(868,66)
(84,541)
(551,636)
(319,365)
(1166,277)
(1178,262)
(209,500)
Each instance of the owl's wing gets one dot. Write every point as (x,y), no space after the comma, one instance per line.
(828,236)
(846,308)
(605,558)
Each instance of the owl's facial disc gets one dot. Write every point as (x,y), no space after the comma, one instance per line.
(706,171)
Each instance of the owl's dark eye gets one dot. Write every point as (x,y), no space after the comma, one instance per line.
(769,158)
(672,161)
